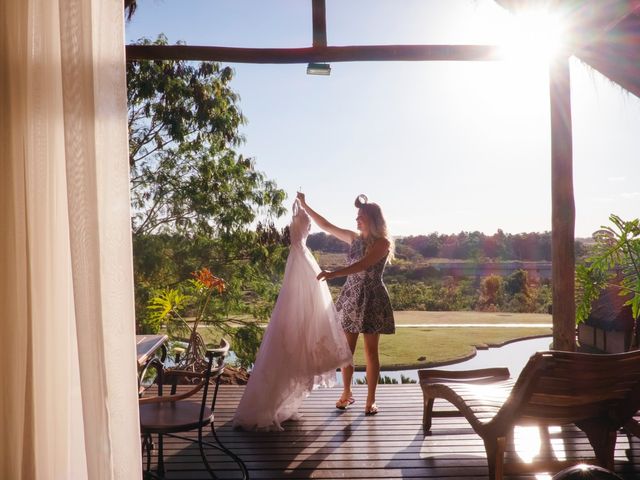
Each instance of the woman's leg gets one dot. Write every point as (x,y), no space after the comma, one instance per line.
(371,341)
(347,371)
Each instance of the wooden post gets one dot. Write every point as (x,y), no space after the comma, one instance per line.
(319,19)
(562,207)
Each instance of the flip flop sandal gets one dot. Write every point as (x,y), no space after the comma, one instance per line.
(372,410)
(343,404)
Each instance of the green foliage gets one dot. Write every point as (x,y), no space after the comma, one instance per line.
(446,295)
(204,301)
(326,243)
(194,298)
(408,296)
(541,298)
(185,174)
(614,262)
(386,380)
(404,379)
(252,265)
(168,303)
(452,294)
(406,253)
(425,245)
(517,282)
(196,201)
(449,294)
(520,303)
(247,338)
(491,293)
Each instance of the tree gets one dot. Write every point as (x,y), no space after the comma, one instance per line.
(196,202)
(405,252)
(517,282)
(518,292)
(186,176)
(427,246)
(491,293)
(326,243)
(505,249)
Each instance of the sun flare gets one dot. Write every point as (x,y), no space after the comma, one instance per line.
(532,37)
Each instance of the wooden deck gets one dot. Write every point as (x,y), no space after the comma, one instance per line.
(328,443)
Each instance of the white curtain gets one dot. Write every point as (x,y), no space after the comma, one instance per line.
(67,352)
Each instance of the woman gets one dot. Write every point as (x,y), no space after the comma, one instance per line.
(363,305)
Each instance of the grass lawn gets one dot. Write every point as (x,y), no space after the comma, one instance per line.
(416,317)
(440,345)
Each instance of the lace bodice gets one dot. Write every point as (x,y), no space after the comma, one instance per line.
(299,227)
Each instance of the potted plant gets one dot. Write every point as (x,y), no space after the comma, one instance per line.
(193,303)
(614,264)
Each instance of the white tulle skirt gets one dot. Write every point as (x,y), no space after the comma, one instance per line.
(302,347)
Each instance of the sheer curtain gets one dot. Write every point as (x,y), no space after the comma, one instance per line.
(69,396)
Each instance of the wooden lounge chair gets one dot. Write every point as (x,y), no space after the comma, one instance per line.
(597,393)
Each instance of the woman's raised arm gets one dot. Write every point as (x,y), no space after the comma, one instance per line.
(340,233)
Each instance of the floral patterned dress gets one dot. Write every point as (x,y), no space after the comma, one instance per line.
(364,305)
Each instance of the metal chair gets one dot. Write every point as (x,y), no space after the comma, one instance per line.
(169,415)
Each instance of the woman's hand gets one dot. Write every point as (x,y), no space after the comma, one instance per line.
(325,275)
(346,236)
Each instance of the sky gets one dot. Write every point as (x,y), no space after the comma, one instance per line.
(440,146)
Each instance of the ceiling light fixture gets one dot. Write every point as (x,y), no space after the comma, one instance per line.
(318,69)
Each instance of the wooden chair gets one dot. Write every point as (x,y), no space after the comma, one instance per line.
(597,393)
(168,415)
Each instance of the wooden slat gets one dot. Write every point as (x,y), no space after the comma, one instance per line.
(327,443)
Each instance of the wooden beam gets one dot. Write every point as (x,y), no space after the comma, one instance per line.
(319,18)
(562,207)
(314,54)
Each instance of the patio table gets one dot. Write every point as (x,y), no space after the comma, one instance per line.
(147,347)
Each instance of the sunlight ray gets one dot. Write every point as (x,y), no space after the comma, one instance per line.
(527,442)
(532,37)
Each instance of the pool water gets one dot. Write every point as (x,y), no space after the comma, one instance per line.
(513,355)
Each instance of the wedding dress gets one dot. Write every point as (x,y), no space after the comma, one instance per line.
(302,345)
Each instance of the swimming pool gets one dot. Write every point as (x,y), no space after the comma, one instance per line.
(513,355)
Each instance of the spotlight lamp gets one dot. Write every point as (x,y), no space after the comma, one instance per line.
(318,69)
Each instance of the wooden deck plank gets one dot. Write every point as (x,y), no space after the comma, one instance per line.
(328,444)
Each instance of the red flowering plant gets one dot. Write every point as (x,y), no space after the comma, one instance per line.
(183,308)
